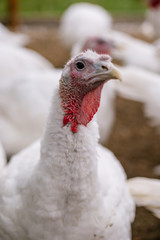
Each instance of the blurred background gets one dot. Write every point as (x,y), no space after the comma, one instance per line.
(133,140)
(53,9)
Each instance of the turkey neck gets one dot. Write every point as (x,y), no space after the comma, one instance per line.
(69,159)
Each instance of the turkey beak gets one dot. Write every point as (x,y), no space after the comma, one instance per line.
(104,71)
(114,73)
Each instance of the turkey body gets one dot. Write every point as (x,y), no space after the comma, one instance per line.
(143,86)
(16,61)
(69,187)
(146,192)
(41,214)
(29,96)
(11,38)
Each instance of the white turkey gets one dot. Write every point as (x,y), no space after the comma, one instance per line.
(70,187)
(26,93)
(146,193)
(106,114)
(151,26)
(11,38)
(15,61)
(81,20)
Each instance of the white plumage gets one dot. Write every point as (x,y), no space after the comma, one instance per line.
(146,193)
(24,107)
(142,86)
(70,187)
(11,38)
(81,20)
(130,50)
(15,61)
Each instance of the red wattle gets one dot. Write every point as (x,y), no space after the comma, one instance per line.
(89,106)
(81,110)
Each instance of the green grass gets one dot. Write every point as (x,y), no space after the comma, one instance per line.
(42,8)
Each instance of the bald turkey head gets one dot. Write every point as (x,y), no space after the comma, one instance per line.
(154,3)
(98,44)
(80,86)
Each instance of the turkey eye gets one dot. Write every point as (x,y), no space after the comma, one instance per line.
(80,65)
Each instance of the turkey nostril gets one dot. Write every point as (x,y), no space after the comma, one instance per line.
(105,68)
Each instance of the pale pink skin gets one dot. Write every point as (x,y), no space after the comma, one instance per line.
(98,44)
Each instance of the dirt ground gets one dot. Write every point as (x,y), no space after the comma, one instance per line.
(133,141)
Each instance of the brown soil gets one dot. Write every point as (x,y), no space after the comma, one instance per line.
(133,141)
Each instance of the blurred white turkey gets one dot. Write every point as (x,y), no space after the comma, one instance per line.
(3,159)
(135,51)
(142,86)
(146,193)
(11,38)
(23,108)
(70,187)
(151,25)
(81,20)
(15,61)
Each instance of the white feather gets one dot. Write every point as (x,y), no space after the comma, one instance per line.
(142,86)
(15,61)
(146,192)
(11,38)
(24,107)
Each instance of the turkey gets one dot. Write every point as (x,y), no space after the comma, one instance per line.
(15,61)
(11,38)
(69,187)
(146,192)
(106,114)
(3,159)
(99,43)
(142,86)
(26,93)
(92,23)
(151,25)
(81,20)
(138,85)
